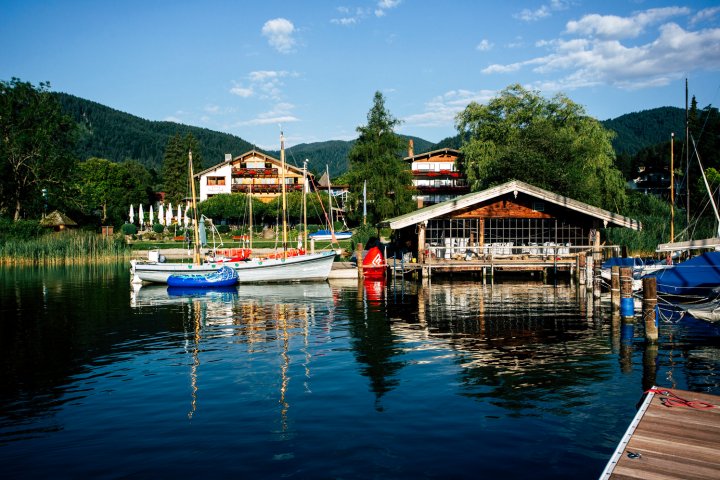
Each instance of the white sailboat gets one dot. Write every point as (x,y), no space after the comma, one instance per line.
(282,268)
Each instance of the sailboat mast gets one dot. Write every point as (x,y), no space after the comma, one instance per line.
(687,155)
(284,199)
(304,199)
(196,253)
(250,200)
(672,188)
(332,225)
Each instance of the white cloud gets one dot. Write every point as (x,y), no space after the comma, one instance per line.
(441,110)
(612,26)
(606,56)
(349,17)
(279,114)
(528,15)
(484,45)
(279,33)
(266,84)
(384,5)
(241,91)
(705,15)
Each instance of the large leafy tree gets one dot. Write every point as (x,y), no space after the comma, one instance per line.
(376,157)
(175,166)
(36,143)
(551,144)
(110,188)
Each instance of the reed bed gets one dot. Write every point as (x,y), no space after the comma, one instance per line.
(70,247)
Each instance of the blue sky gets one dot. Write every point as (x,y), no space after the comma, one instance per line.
(313,66)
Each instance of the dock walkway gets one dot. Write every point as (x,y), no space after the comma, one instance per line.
(674,435)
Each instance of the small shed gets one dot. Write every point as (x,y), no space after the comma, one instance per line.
(57,221)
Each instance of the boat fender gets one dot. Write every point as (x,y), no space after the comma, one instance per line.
(162,259)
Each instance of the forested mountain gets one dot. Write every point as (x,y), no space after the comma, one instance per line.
(334,154)
(639,130)
(117,136)
(634,131)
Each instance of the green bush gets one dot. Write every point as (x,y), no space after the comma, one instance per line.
(22,229)
(129,229)
(223,228)
(363,234)
(158,228)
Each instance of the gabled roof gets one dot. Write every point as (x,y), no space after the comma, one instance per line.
(419,156)
(56,219)
(516,187)
(252,153)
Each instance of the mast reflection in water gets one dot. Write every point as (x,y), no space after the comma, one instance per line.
(354,380)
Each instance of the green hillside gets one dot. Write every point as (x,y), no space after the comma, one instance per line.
(117,136)
(639,130)
(334,154)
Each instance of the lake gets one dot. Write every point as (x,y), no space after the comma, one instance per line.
(455,379)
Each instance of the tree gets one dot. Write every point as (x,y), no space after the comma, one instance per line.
(175,166)
(377,158)
(111,188)
(551,144)
(36,142)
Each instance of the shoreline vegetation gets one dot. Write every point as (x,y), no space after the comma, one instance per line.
(72,247)
(85,247)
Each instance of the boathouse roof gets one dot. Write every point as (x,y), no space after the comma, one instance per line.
(516,187)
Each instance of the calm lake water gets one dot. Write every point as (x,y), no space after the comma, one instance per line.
(323,380)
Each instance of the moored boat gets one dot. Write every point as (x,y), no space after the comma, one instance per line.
(328,235)
(693,279)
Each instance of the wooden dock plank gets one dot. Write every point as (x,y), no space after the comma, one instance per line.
(671,442)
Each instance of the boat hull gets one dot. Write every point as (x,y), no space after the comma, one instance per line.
(292,269)
(328,235)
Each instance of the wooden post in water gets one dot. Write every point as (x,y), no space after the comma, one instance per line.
(615,288)
(648,305)
(359,256)
(597,265)
(581,268)
(589,271)
(627,308)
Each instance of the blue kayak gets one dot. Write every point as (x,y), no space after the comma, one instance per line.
(222,277)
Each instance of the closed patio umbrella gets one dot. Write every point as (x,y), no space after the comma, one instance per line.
(132,214)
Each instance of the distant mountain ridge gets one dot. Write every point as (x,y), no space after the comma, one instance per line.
(117,136)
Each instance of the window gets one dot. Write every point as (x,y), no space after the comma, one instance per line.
(216,180)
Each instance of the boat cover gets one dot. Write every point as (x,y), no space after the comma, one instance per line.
(222,277)
(696,276)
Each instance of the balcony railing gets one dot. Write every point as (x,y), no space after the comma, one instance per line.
(255,172)
(438,173)
(264,188)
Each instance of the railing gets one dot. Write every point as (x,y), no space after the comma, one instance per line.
(255,172)
(458,251)
(264,188)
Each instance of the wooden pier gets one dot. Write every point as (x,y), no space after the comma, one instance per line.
(674,435)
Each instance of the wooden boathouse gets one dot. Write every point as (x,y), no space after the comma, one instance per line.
(514,226)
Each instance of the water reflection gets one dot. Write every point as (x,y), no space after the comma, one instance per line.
(386,379)
(252,315)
